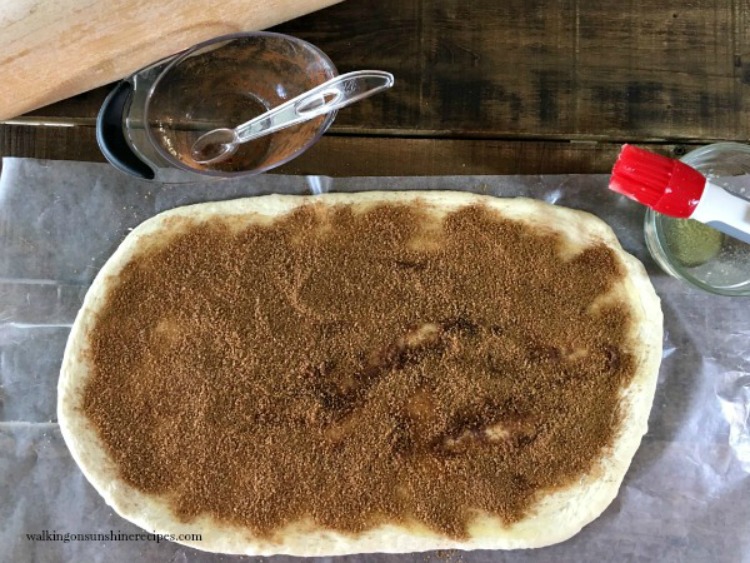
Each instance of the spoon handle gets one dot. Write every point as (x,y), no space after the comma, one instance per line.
(337,93)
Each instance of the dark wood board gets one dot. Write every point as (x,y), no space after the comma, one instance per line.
(573,69)
(347,155)
(513,81)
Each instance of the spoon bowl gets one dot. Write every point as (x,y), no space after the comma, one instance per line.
(215,146)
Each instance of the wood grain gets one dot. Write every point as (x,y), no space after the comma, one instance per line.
(53,50)
(346,155)
(513,81)
(573,69)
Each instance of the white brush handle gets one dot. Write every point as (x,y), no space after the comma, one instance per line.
(724,212)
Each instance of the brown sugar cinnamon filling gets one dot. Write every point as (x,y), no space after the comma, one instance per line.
(359,367)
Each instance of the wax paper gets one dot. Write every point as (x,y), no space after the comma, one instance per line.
(685,498)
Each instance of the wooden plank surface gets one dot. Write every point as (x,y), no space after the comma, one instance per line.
(346,155)
(513,81)
(573,69)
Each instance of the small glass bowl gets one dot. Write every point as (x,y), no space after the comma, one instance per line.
(227,81)
(695,253)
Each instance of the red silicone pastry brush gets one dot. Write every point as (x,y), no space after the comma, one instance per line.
(673,188)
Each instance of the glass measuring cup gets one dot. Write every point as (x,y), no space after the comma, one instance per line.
(341,91)
(149,123)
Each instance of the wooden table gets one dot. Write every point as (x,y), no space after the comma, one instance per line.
(497,87)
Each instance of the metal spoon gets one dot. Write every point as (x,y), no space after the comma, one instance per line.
(339,92)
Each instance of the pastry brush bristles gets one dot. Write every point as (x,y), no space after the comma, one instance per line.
(641,175)
(667,186)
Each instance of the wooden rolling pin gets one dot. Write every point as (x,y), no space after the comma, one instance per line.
(51,50)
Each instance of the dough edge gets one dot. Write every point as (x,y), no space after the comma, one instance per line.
(557,516)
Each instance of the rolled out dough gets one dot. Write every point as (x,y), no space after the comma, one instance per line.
(555,518)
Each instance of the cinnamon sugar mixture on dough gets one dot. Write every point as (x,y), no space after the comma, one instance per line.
(353,368)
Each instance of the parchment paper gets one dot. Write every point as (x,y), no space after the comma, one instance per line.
(685,498)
